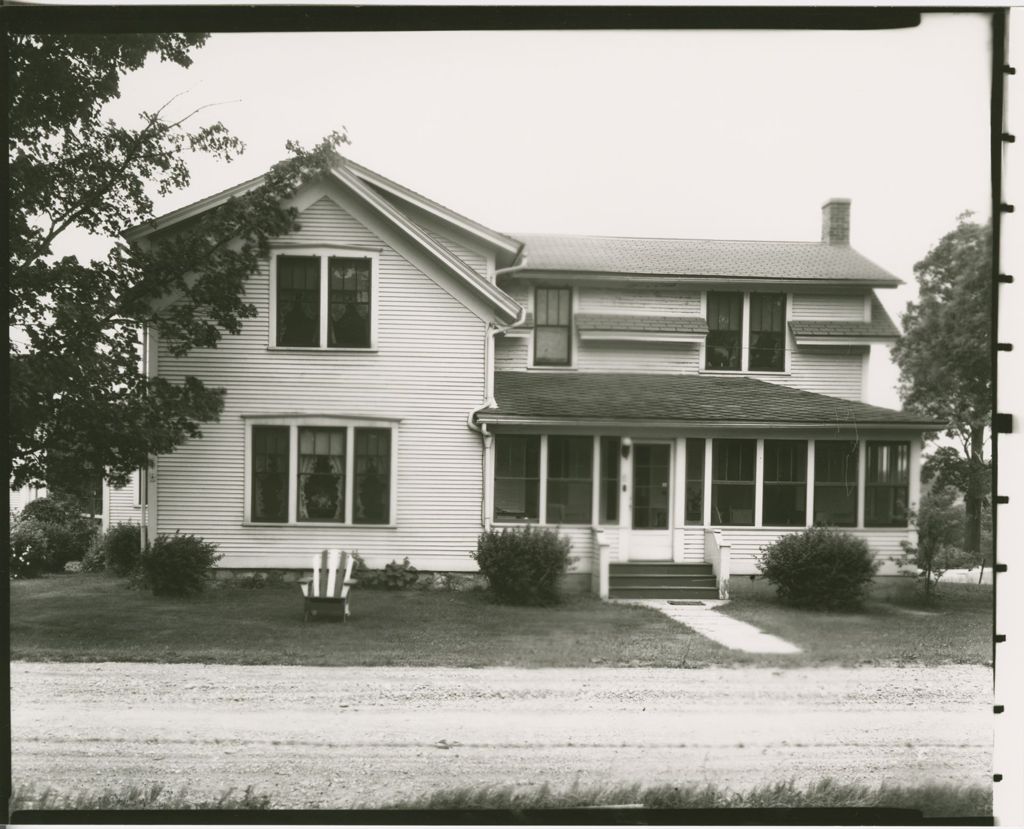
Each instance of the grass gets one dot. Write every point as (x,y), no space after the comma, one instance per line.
(893,627)
(134,797)
(85,618)
(934,800)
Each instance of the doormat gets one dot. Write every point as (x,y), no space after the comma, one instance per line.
(685,601)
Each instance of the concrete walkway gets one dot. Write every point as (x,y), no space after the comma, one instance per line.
(734,634)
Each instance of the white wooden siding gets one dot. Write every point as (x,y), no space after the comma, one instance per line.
(637,357)
(428,372)
(122,503)
(640,300)
(833,371)
(828,306)
(477,261)
(511,353)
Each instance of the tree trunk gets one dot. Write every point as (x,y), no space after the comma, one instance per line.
(975,493)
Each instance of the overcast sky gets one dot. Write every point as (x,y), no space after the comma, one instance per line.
(738,135)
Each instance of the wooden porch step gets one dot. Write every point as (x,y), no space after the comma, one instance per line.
(657,592)
(661,580)
(658,567)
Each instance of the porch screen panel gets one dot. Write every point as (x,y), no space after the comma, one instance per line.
(570,479)
(694,481)
(725,330)
(552,327)
(609,492)
(269,474)
(784,502)
(516,477)
(320,487)
(298,300)
(887,484)
(348,302)
(835,483)
(371,492)
(732,482)
(767,332)
(650,486)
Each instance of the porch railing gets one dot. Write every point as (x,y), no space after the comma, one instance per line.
(599,564)
(718,553)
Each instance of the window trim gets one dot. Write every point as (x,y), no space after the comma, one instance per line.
(745,335)
(325,254)
(294,423)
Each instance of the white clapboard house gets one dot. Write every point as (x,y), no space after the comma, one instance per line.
(413,377)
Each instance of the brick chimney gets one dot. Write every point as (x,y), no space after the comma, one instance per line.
(835,222)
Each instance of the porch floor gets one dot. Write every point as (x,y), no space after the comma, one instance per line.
(717,627)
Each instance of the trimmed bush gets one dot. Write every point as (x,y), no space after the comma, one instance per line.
(177,565)
(94,561)
(394,576)
(29,553)
(69,534)
(121,547)
(523,565)
(820,568)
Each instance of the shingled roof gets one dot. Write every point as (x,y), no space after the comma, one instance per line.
(812,261)
(881,325)
(675,398)
(625,322)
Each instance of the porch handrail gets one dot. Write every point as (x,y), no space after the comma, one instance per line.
(718,554)
(599,564)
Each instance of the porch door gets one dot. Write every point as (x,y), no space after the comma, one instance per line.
(651,539)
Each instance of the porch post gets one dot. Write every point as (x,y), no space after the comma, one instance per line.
(759,483)
(707,480)
(810,483)
(862,476)
(625,491)
(679,501)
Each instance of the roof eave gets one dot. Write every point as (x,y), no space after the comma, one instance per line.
(531,420)
(623,276)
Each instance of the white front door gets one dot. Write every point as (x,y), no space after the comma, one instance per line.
(651,536)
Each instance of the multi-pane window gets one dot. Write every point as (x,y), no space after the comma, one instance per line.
(732,481)
(725,331)
(609,494)
(784,502)
(887,484)
(552,343)
(767,332)
(570,479)
(348,324)
(835,483)
(321,475)
(269,473)
(298,300)
(372,476)
(651,466)
(310,471)
(694,481)
(516,477)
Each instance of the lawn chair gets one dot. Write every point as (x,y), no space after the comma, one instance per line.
(326,594)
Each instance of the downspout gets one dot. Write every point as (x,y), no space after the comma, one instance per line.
(487,438)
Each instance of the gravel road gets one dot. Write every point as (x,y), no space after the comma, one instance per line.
(344,737)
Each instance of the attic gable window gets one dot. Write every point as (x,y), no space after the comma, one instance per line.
(321,299)
(552,345)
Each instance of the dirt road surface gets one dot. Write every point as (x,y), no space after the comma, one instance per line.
(345,737)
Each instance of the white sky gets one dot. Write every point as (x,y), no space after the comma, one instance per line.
(737,135)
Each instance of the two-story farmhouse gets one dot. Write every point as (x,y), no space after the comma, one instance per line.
(413,377)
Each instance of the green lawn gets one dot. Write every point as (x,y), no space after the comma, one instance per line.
(97,618)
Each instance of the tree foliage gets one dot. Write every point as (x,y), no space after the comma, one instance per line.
(945,360)
(79,401)
(941,525)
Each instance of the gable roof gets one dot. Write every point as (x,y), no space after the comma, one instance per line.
(718,258)
(880,326)
(638,322)
(677,399)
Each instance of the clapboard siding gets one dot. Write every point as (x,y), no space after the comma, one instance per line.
(836,372)
(427,373)
(662,358)
(511,353)
(477,261)
(640,300)
(838,306)
(122,503)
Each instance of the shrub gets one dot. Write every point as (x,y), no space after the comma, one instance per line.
(394,576)
(94,561)
(69,534)
(29,553)
(523,565)
(177,565)
(121,546)
(820,568)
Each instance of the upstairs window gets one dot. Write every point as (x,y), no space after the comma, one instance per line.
(570,479)
(835,483)
(516,477)
(767,332)
(784,502)
(552,332)
(887,484)
(732,482)
(725,331)
(323,301)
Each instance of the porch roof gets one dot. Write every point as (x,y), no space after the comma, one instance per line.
(561,396)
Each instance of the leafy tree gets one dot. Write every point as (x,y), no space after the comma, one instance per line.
(79,401)
(945,361)
(941,529)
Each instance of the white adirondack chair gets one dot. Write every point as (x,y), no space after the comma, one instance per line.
(327,593)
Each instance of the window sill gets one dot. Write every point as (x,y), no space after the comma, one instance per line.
(315,348)
(551,368)
(738,373)
(320,525)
